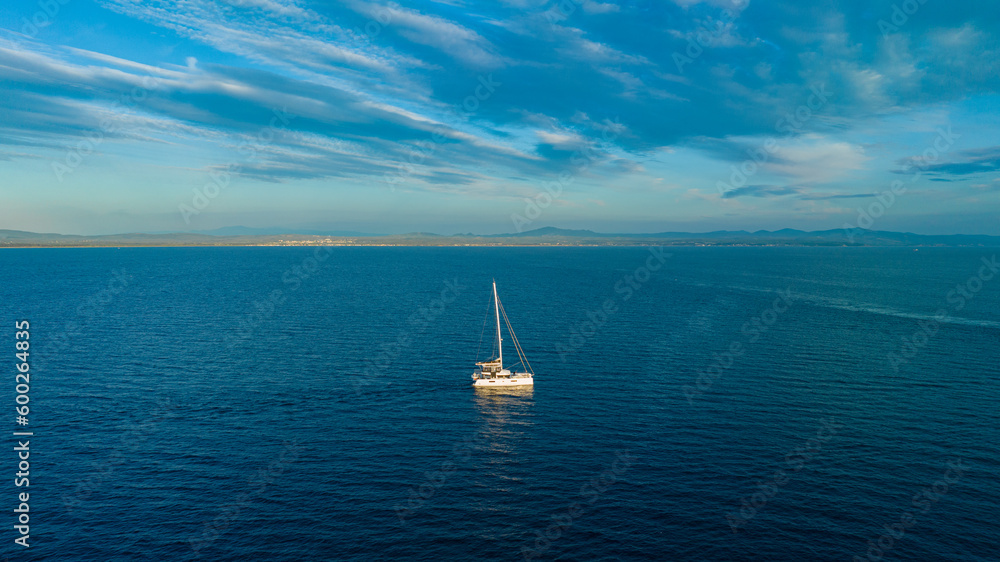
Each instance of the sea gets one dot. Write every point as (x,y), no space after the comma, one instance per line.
(690,403)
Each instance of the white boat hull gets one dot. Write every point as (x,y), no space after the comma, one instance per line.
(519,379)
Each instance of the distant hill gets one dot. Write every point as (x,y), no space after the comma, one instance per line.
(553,231)
(798,237)
(547,236)
(272,231)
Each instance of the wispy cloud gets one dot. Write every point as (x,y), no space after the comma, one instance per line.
(762,191)
(964,163)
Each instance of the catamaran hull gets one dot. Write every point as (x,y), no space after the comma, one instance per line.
(502,381)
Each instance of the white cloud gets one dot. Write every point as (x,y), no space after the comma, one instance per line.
(560,140)
(817,161)
(303,43)
(592,7)
(591,51)
(448,37)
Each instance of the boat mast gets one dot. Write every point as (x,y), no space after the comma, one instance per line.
(496,308)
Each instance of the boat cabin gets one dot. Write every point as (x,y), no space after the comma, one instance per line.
(490,368)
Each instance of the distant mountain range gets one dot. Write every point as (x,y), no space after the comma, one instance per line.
(248,231)
(547,236)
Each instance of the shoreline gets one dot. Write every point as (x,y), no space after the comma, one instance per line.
(404,245)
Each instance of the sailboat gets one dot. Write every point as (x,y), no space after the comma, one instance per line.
(492,373)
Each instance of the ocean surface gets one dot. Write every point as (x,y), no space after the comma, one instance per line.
(703,404)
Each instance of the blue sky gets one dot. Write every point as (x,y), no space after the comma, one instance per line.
(486,117)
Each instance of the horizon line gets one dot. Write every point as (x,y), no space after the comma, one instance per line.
(550,229)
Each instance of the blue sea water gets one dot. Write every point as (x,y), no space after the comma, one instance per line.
(721,404)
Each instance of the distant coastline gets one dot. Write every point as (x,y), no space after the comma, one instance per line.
(542,237)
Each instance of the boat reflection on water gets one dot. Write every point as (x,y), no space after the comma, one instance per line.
(507,415)
(501,462)
(506,405)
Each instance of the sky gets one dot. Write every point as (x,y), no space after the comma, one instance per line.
(456,116)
